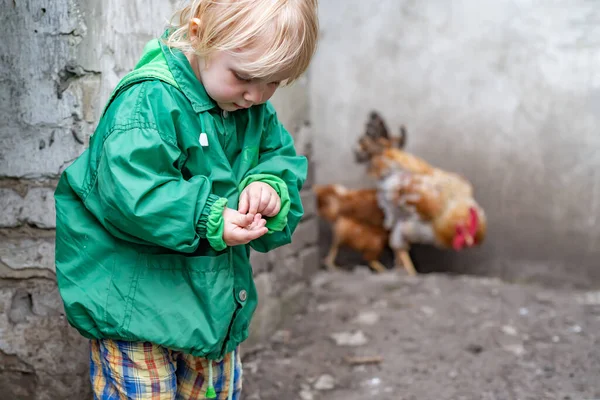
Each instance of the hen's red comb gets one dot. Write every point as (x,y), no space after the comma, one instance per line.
(473,221)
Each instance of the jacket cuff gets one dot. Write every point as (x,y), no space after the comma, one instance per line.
(279,221)
(210,225)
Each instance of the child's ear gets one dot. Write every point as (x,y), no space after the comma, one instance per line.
(194,28)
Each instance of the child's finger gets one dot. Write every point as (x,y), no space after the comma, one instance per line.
(255,221)
(243,202)
(243,220)
(258,224)
(258,219)
(255,234)
(253,224)
(265,199)
(272,208)
(244,235)
(254,200)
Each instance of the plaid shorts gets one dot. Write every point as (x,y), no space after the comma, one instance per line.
(142,370)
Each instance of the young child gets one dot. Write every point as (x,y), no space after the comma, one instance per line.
(187,169)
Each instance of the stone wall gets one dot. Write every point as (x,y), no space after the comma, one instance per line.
(60,60)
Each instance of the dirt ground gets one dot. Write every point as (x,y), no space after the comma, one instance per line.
(438,337)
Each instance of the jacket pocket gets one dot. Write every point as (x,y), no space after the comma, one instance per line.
(182,302)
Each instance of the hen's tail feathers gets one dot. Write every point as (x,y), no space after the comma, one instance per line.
(377,139)
(376,127)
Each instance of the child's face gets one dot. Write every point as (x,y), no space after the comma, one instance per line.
(226,83)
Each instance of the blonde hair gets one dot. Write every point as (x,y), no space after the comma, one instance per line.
(284,31)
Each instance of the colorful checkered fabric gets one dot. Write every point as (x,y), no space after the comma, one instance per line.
(142,370)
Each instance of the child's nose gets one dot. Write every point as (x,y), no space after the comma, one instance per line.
(254,94)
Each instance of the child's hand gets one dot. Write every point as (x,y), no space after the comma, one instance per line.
(259,197)
(241,228)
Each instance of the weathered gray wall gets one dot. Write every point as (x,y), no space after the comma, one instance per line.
(60,60)
(505,92)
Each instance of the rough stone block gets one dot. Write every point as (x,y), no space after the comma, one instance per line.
(267,316)
(304,236)
(11,204)
(26,259)
(261,262)
(280,253)
(40,152)
(286,273)
(310,178)
(295,269)
(310,261)
(309,203)
(37,208)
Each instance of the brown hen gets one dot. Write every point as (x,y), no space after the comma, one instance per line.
(421,203)
(357,222)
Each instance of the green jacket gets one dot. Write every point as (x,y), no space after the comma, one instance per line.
(139,254)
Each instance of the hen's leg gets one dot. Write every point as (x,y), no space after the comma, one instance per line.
(377,266)
(404,258)
(400,245)
(329,260)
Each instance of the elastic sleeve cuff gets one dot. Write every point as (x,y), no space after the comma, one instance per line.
(279,221)
(210,225)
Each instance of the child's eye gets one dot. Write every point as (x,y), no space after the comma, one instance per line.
(275,83)
(241,78)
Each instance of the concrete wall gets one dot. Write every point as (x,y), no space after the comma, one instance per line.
(60,60)
(505,92)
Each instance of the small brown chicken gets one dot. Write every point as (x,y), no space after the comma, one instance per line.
(357,222)
(421,203)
